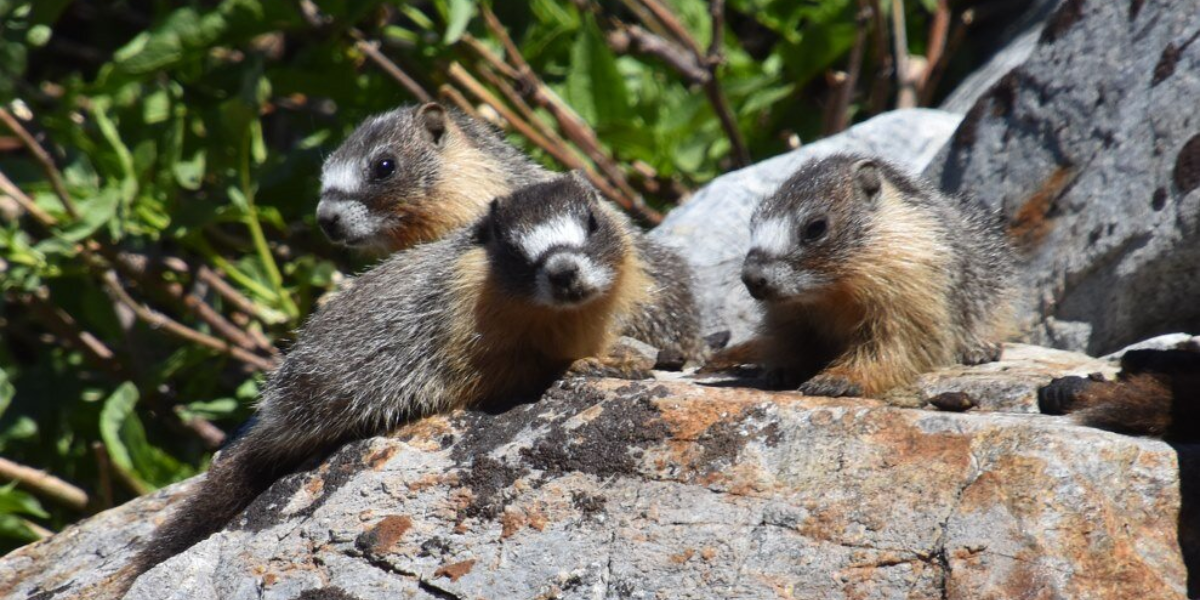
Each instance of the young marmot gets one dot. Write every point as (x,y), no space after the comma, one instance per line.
(869,277)
(415,174)
(1157,394)
(495,310)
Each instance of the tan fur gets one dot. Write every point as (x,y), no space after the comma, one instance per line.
(884,311)
(460,196)
(490,328)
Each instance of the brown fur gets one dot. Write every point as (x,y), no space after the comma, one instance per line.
(1157,394)
(493,327)
(460,196)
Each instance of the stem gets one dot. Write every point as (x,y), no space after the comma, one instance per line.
(256,234)
(44,484)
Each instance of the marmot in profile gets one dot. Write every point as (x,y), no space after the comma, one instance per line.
(415,174)
(493,311)
(869,277)
(1157,394)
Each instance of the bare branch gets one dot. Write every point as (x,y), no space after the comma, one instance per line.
(10,189)
(937,68)
(44,484)
(65,327)
(881,57)
(43,158)
(845,92)
(907,97)
(157,320)
(667,17)
(371,49)
(632,38)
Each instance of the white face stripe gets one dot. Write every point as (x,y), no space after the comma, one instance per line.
(343,176)
(773,237)
(560,231)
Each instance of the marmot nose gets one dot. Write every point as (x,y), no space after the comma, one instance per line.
(330,221)
(755,278)
(563,274)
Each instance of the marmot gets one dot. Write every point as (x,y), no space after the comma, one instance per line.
(495,310)
(1157,394)
(869,277)
(415,174)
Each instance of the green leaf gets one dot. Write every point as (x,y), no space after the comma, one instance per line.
(123,433)
(459,15)
(94,214)
(6,392)
(594,85)
(189,173)
(117,411)
(17,502)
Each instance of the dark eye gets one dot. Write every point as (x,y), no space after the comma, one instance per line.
(815,229)
(593,225)
(382,169)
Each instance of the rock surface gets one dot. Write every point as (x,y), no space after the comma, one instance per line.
(712,230)
(685,489)
(1091,149)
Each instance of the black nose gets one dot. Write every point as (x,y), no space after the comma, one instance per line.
(755,277)
(563,276)
(330,223)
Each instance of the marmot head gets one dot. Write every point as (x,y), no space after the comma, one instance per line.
(383,177)
(554,243)
(804,236)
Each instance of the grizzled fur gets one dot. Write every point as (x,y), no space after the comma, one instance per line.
(870,277)
(1157,393)
(444,325)
(447,167)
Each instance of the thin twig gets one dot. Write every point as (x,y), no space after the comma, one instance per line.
(10,189)
(104,470)
(938,31)
(570,124)
(371,49)
(43,158)
(938,68)
(882,58)
(157,320)
(44,484)
(716,12)
(907,96)
(64,326)
(666,16)
(841,110)
(460,77)
(211,435)
(452,94)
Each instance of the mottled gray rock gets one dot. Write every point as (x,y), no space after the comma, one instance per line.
(712,230)
(609,489)
(1091,149)
(1017,42)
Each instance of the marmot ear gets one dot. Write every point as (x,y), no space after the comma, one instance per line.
(867,178)
(432,118)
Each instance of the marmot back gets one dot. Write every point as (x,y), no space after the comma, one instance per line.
(870,277)
(415,174)
(494,311)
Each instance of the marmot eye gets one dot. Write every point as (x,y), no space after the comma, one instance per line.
(593,225)
(815,229)
(383,169)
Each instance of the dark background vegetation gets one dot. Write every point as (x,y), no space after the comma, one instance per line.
(159,169)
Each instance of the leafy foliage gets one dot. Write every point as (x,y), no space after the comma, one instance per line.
(189,137)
